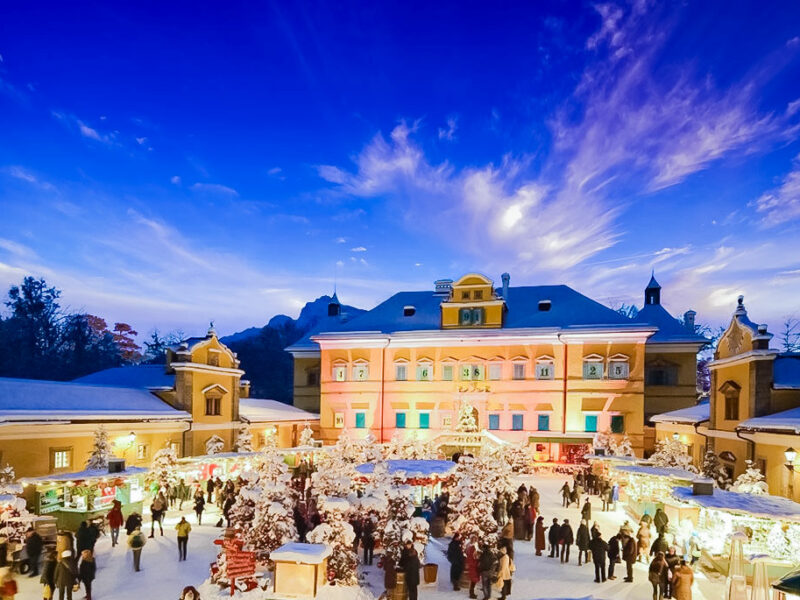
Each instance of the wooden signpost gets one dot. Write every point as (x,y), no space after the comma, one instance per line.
(238,563)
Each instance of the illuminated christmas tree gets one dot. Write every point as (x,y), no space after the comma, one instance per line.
(101,452)
(163,468)
(751,481)
(244,439)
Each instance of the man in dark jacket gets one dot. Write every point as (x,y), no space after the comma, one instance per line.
(84,537)
(659,545)
(586,511)
(629,554)
(133,522)
(660,520)
(66,574)
(552,537)
(599,549)
(486,567)
(613,555)
(455,554)
(368,539)
(33,548)
(409,563)
(582,539)
(566,539)
(210,489)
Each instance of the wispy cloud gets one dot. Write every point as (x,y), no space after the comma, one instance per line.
(449,133)
(175,180)
(781,204)
(23,174)
(85,130)
(358,249)
(214,188)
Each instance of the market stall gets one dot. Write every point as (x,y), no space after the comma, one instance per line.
(645,488)
(75,497)
(300,569)
(426,477)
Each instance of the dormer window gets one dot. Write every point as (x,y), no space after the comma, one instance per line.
(478,295)
(544,305)
(213,395)
(465,295)
(593,367)
(409,311)
(618,367)
(339,371)
(361,370)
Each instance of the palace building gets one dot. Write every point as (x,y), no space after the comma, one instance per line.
(753,412)
(48,426)
(541,364)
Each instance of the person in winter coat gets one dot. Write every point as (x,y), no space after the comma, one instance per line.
(486,566)
(586,511)
(368,539)
(530,519)
(682,580)
(660,520)
(566,538)
(409,563)
(552,537)
(507,537)
(518,516)
(210,485)
(115,521)
(659,545)
(199,506)
(538,536)
(613,555)
(183,528)
(606,495)
(357,526)
(33,549)
(566,494)
(157,509)
(471,555)
(695,552)
(582,541)
(84,538)
(227,505)
(673,562)
(190,593)
(86,572)
(533,495)
(183,493)
(599,549)
(643,541)
(389,574)
(133,522)
(48,578)
(8,585)
(504,572)
(629,553)
(136,542)
(65,575)
(455,554)
(658,574)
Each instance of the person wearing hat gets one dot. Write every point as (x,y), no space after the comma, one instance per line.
(48,578)
(66,575)
(136,542)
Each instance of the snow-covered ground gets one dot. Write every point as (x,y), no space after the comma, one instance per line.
(537,577)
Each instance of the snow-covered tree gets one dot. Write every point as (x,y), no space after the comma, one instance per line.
(336,469)
(671,453)
(614,445)
(214,445)
(602,441)
(777,544)
(518,457)
(622,446)
(409,446)
(163,468)
(466,417)
(478,481)
(714,469)
(8,482)
(339,535)
(244,439)
(101,451)
(751,481)
(14,516)
(306,437)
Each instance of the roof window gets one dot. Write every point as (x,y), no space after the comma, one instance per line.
(409,311)
(544,305)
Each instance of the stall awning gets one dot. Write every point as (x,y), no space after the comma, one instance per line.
(559,440)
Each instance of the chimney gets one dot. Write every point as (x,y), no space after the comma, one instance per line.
(506,278)
(688,319)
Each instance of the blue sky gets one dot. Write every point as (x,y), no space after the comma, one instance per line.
(166,164)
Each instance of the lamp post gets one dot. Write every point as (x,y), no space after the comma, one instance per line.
(791,455)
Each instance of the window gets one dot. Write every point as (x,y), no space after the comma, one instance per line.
(340,373)
(213,358)
(618,369)
(661,375)
(61,458)
(141,452)
(592,369)
(447,372)
(519,371)
(465,373)
(590,423)
(361,372)
(477,316)
(617,424)
(338,420)
(731,390)
(424,420)
(213,405)
(361,420)
(465,316)
(425,372)
(543,423)
(409,311)
(494,421)
(544,305)
(517,422)
(544,370)
(478,295)
(465,295)
(400,420)
(401,372)
(495,372)
(312,378)
(477,372)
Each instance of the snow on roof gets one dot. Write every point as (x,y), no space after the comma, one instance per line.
(786,372)
(657,471)
(670,330)
(310,554)
(87,474)
(29,399)
(151,377)
(259,410)
(412,468)
(693,414)
(611,458)
(769,507)
(787,420)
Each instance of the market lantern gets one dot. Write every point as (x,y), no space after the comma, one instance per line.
(761,589)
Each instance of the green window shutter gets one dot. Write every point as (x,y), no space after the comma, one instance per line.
(400,420)
(494,421)
(544,423)
(361,420)
(424,420)
(590,423)
(517,422)
(617,424)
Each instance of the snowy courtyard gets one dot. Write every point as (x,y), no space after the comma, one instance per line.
(536,577)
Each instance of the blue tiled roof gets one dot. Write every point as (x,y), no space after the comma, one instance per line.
(670,330)
(786,374)
(146,377)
